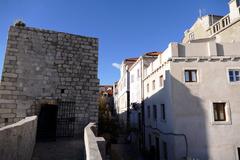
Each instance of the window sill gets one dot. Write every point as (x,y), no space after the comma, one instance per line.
(221,123)
(191,83)
(234,83)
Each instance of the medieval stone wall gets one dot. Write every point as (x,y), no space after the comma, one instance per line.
(43,67)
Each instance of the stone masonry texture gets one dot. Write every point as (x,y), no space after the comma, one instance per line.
(43,67)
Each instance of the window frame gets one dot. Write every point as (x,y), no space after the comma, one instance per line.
(228,120)
(154,112)
(217,111)
(148,111)
(190,76)
(161,81)
(153,84)
(163,114)
(147,86)
(234,75)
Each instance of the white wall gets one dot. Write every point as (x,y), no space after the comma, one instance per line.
(135,83)
(189,106)
(193,113)
(17,141)
(95,147)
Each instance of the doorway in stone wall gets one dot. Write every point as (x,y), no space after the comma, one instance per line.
(65,119)
(47,123)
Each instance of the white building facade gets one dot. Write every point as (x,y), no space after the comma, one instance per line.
(123,86)
(191,102)
(136,86)
(221,28)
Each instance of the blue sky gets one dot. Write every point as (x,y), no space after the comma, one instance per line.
(125,28)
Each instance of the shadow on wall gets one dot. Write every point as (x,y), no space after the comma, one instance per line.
(183,132)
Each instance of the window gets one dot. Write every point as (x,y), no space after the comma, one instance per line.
(138,73)
(234,75)
(155,112)
(163,116)
(165,151)
(148,112)
(161,81)
(132,78)
(124,82)
(219,111)
(147,87)
(190,75)
(153,85)
(191,36)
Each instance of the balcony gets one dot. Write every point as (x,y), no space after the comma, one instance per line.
(219,25)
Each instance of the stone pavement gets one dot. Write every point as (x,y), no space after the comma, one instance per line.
(124,152)
(61,149)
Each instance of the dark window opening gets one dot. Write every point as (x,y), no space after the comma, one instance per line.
(148,111)
(163,112)
(155,112)
(6,120)
(62,90)
(153,85)
(219,111)
(161,81)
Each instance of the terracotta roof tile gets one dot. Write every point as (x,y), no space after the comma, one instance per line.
(153,53)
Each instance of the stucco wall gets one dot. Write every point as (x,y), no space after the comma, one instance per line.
(193,113)
(161,95)
(17,141)
(95,147)
(188,106)
(231,34)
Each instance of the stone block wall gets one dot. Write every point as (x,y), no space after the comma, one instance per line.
(43,67)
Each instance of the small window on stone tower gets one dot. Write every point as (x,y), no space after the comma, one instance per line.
(6,120)
(62,90)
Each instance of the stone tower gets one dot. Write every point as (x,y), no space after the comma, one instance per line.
(48,68)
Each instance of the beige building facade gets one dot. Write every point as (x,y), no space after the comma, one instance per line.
(191,102)
(221,28)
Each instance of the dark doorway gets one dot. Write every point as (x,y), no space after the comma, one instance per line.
(238,153)
(65,119)
(46,129)
(157,148)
